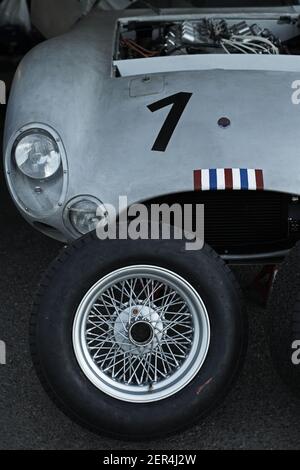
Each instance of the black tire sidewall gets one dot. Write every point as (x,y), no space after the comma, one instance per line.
(76,272)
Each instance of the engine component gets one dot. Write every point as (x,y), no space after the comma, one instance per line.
(204,35)
(201,36)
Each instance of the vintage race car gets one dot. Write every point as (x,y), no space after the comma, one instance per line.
(140,338)
(97,102)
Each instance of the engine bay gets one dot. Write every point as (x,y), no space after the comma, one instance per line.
(208,35)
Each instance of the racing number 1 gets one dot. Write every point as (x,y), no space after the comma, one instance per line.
(179,102)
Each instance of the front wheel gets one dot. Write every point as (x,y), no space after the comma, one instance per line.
(137,339)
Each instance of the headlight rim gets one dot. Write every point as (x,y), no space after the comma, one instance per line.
(10,169)
(66,212)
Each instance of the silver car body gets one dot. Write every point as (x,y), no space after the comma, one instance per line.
(106,132)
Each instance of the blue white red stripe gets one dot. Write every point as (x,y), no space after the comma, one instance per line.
(228,179)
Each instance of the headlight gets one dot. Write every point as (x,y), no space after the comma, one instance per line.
(37,154)
(84,215)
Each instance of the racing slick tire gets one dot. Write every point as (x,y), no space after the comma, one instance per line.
(137,339)
(284,321)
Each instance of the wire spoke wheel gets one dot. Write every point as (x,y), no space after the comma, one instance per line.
(141,334)
(138,350)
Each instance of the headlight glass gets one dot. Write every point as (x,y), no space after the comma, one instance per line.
(83,215)
(37,155)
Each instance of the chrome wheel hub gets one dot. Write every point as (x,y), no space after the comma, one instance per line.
(141,334)
(138,329)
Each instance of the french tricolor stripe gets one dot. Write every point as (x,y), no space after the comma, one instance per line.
(228,178)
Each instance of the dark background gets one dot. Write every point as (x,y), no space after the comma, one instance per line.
(258,414)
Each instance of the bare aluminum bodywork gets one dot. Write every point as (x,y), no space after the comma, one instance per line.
(107,131)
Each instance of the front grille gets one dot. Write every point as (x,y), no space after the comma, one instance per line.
(242,222)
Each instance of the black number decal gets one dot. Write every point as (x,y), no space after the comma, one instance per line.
(179,102)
